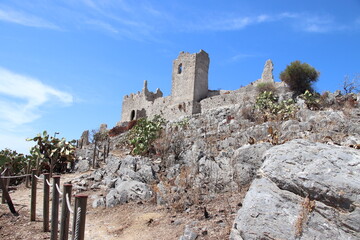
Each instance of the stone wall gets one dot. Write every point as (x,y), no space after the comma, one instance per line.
(190,93)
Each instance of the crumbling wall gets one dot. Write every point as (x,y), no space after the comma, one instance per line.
(190,93)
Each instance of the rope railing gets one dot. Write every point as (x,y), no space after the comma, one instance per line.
(11,177)
(38,178)
(4,171)
(48,183)
(68,204)
(58,189)
(77,223)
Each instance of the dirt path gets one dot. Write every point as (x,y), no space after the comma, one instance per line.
(131,221)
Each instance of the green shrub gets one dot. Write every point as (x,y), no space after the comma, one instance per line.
(16,162)
(267,103)
(312,100)
(144,133)
(182,124)
(52,151)
(266,86)
(299,77)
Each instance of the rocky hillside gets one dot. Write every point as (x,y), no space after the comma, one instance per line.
(302,172)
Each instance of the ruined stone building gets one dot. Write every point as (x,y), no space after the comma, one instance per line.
(189,93)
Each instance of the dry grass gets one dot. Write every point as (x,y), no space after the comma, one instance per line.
(307,206)
(266,86)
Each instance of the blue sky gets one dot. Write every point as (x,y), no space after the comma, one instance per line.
(65,65)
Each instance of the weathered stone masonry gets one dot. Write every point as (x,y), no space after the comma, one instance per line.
(189,94)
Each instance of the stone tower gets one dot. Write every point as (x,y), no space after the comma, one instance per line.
(190,77)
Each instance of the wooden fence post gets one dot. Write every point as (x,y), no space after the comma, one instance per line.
(7,197)
(6,184)
(55,209)
(27,172)
(33,195)
(65,213)
(46,202)
(78,232)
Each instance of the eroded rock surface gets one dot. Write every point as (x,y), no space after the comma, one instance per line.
(304,191)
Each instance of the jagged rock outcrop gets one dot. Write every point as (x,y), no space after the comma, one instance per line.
(304,191)
(299,189)
(267,75)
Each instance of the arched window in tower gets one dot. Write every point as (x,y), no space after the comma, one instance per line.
(180,68)
(132,116)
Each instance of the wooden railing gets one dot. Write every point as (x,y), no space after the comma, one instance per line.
(78,212)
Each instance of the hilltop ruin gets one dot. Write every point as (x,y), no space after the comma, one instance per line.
(189,94)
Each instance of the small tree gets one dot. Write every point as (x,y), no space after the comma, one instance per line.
(351,85)
(299,77)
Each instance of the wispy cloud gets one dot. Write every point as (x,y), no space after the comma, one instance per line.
(241,56)
(298,21)
(25,19)
(311,23)
(102,25)
(317,24)
(229,24)
(21,98)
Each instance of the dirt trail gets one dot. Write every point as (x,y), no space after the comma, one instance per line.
(132,221)
(127,222)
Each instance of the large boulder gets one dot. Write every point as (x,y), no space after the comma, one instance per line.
(231,170)
(304,189)
(82,165)
(126,191)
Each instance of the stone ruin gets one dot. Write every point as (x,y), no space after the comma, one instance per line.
(189,94)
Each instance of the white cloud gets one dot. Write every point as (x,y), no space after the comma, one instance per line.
(103,25)
(306,22)
(222,24)
(21,98)
(312,23)
(25,19)
(241,56)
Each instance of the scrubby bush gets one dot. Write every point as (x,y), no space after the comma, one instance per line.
(144,133)
(16,162)
(266,86)
(299,77)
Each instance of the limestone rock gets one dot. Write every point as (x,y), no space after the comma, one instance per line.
(230,169)
(247,160)
(133,190)
(82,166)
(274,206)
(113,164)
(189,234)
(113,198)
(98,202)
